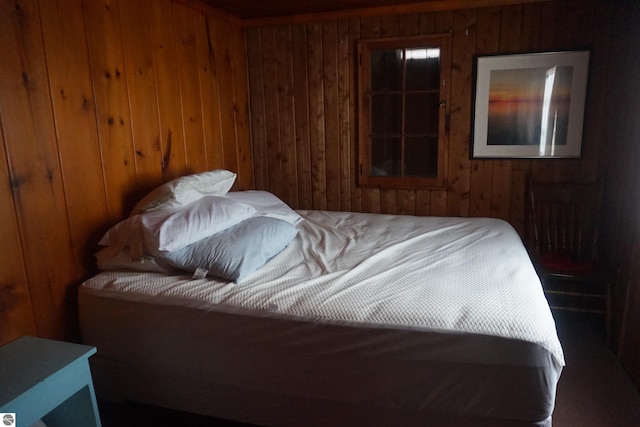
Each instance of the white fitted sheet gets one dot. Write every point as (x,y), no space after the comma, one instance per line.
(421,314)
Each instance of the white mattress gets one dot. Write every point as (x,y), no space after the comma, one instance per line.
(457,294)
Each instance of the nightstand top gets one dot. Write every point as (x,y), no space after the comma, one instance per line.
(28,361)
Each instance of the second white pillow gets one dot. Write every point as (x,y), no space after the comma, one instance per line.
(172,229)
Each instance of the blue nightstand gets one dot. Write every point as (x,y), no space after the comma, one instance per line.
(48,380)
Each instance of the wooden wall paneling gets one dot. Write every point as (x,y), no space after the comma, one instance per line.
(302,111)
(459,172)
(223,33)
(597,153)
(344,70)
(106,58)
(79,83)
(190,100)
(143,98)
(331,114)
(166,71)
(286,113)
(388,201)
(272,121)
(487,43)
(427,23)
(253,37)
(16,311)
(406,202)
(75,117)
(370,28)
(352,148)
(34,167)
(316,116)
(212,128)
(241,110)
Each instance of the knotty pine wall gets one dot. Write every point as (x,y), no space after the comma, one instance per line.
(303,92)
(100,101)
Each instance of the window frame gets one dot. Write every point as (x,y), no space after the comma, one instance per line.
(365,46)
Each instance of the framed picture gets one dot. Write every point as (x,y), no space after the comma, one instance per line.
(529,105)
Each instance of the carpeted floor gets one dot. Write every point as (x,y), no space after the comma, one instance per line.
(593,391)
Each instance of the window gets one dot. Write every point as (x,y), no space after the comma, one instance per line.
(403,98)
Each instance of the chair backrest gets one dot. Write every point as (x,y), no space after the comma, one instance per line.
(563,218)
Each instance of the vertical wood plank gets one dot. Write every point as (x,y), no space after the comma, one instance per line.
(344,136)
(331,114)
(165,59)
(594,151)
(253,38)
(106,57)
(225,70)
(240,109)
(143,99)
(272,123)
(16,311)
(406,202)
(356,193)
(460,139)
(301,103)
(75,118)
(316,116)
(286,116)
(190,91)
(34,168)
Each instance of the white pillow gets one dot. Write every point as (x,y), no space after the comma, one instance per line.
(266,204)
(186,189)
(114,258)
(168,230)
(236,252)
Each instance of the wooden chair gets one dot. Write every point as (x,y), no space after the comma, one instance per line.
(562,236)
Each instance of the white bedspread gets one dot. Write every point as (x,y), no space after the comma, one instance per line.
(457,274)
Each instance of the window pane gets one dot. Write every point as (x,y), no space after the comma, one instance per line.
(386,114)
(386,155)
(421,113)
(423,69)
(421,156)
(386,70)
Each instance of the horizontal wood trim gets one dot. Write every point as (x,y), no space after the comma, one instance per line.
(400,9)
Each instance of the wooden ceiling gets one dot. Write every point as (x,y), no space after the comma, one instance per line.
(265,11)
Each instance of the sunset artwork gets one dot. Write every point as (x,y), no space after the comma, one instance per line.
(529,106)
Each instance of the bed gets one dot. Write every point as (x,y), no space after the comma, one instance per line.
(357,319)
